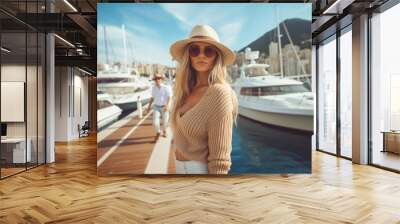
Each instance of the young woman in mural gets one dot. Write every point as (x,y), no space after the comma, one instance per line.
(205,106)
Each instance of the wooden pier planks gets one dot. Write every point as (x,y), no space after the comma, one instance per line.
(133,154)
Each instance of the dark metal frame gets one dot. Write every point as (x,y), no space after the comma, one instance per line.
(0,92)
(338,98)
(316,96)
(369,90)
(25,89)
(37,93)
(44,71)
(45,91)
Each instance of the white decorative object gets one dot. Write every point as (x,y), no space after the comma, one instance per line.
(12,101)
(19,154)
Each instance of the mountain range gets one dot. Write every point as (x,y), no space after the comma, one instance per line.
(299,30)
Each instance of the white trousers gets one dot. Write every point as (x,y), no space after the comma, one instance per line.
(157,112)
(191,167)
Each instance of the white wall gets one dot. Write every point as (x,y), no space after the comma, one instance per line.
(14,73)
(360,90)
(50,94)
(61,103)
(82,83)
(70,84)
(33,126)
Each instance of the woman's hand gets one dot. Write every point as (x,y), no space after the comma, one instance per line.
(165,108)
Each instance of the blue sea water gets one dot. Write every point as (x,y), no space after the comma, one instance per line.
(259,148)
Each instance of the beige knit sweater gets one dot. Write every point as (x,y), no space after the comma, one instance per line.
(204,133)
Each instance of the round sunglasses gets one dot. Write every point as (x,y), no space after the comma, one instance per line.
(209,52)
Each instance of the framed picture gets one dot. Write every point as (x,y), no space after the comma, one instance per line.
(204,88)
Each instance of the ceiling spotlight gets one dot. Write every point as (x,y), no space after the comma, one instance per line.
(5,50)
(64,40)
(86,72)
(71,6)
(337,7)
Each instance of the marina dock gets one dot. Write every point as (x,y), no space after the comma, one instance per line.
(129,146)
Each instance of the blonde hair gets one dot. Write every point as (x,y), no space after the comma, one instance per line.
(185,81)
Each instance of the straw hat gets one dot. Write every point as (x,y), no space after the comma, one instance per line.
(202,33)
(158,75)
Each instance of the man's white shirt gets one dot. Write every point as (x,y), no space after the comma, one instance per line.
(161,94)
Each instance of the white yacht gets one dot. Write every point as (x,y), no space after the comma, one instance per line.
(123,83)
(273,99)
(124,88)
(107,112)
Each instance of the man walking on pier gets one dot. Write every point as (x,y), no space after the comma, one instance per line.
(161,95)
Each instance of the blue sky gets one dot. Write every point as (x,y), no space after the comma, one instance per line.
(151,28)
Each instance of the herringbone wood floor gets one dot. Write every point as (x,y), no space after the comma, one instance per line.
(69,191)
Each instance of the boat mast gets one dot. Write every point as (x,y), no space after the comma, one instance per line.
(279,42)
(105,42)
(294,50)
(125,52)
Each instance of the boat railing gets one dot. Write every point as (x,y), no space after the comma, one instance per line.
(275,74)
